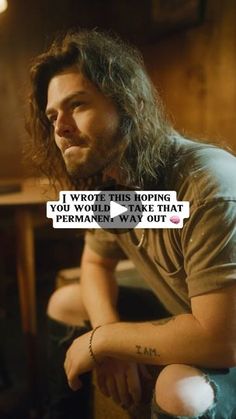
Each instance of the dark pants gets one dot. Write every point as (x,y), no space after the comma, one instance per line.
(134,305)
(63,403)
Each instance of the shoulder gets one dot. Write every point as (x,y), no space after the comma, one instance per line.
(202,172)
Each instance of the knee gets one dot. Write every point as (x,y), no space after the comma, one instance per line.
(182,390)
(66,305)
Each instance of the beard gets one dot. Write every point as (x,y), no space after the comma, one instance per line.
(93,177)
(90,183)
(90,171)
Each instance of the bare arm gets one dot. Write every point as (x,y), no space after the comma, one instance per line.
(207,337)
(118,379)
(99,287)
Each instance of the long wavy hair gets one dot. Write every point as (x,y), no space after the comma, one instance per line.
(118,71)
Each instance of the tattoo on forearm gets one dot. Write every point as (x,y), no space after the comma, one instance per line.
(162,321)
(143,350)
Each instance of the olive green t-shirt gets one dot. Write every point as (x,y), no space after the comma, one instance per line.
(200,257)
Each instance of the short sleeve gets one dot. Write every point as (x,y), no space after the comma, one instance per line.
(104,243)
(209,246)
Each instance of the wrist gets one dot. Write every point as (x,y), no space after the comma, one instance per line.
(91,345)
(101,340)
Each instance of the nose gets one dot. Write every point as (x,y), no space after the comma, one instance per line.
(64,125)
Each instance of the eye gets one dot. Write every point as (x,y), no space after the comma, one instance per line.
(76,104)
(52,119)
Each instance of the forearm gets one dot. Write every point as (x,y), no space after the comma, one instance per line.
(99,291)
(181,340)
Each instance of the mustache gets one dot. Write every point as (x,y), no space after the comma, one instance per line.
(66,142)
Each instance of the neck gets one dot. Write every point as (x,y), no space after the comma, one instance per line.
(112,173)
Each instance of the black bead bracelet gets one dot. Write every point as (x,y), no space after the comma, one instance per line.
(90,345)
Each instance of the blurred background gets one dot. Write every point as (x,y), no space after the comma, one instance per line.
(189,47)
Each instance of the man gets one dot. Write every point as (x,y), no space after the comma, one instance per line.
(95,117)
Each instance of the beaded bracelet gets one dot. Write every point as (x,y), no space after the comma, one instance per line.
(90,345)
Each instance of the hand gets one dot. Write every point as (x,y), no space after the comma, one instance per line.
(78,360)
(121,380)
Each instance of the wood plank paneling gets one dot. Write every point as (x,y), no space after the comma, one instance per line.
(195,73)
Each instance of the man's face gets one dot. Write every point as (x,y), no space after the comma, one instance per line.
(85,122)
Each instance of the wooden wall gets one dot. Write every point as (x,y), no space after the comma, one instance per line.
(195,73)
(194,70)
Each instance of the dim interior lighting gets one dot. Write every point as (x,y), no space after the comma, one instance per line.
(3,5)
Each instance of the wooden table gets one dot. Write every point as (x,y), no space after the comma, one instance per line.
(32,194)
